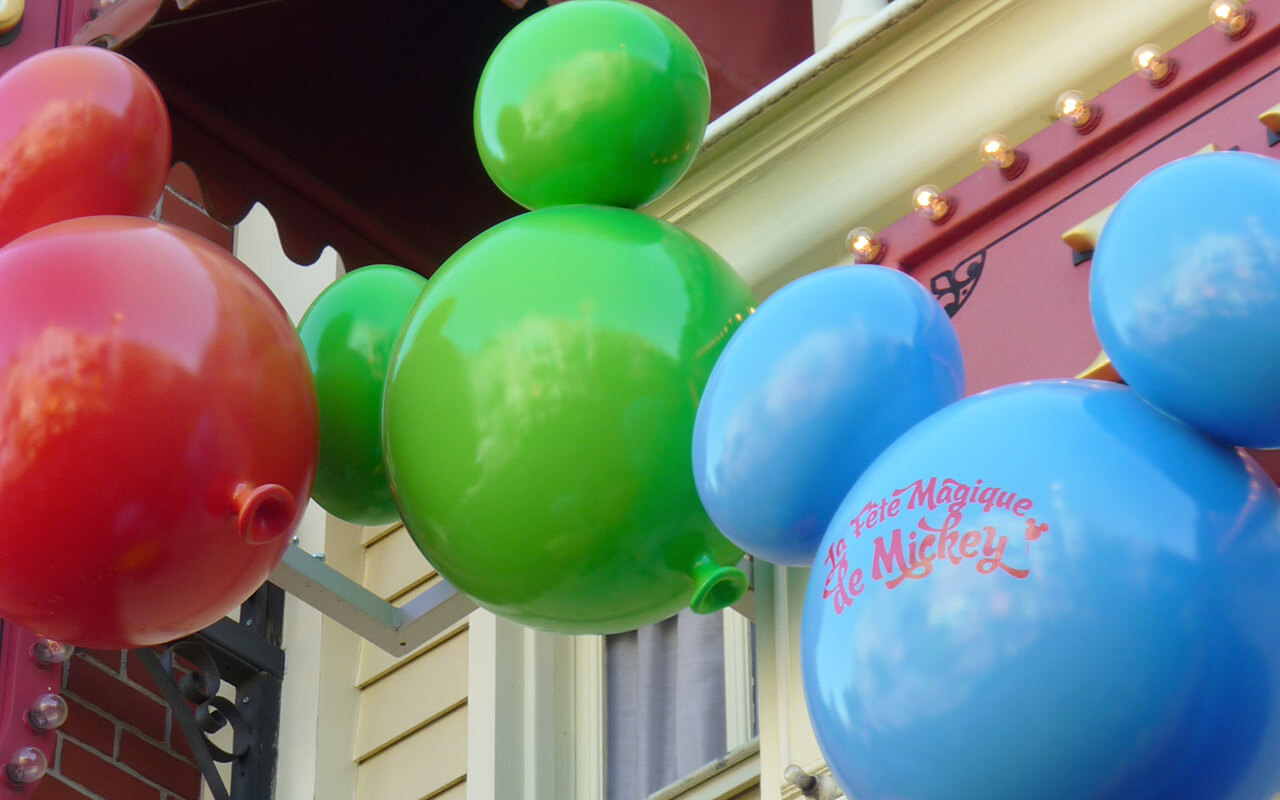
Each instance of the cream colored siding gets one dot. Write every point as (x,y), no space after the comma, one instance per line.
(411,726)
(413,696)
(425,765)
(393,566)
(456,792)
(750,794)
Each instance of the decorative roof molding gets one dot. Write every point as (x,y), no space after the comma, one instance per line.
(903,99)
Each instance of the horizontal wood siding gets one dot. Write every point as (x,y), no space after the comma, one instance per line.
(411,729)
(424,765)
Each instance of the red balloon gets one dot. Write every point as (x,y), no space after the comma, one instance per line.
(83,131)
(158,432)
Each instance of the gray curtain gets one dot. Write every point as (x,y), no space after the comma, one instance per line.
(665,703)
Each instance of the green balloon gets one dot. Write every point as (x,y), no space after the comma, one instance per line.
(538,420)
(348,333)
(591,101)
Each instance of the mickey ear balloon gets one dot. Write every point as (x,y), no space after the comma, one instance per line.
(83,131)
(348,333)
(157,432)
(1050,590)
(591,101)
(815,384)
(538,415)
(1185,293)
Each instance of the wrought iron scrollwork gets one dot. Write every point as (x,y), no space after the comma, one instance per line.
(955,286)
(248,658)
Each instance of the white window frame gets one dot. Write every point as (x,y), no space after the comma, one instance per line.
(536,718)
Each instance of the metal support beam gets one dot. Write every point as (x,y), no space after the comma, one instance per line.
(398,630)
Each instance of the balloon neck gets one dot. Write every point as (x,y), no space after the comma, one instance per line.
(265,512)
(715,586)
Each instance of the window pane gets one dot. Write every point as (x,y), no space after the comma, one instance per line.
(666,703)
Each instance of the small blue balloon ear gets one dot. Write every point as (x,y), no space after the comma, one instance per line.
(1049,590)
(1185,293)
(811,388)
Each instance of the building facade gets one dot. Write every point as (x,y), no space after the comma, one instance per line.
(900,97)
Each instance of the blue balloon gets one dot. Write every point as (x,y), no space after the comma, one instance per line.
(1050,590)
(1185,293)
(811,388)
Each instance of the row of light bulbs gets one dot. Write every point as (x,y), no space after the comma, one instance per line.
(29,764)
(1228,16)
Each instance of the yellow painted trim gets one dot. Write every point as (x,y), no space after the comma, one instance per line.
(10,14)
(1101,370)
(1271,118)
(1083,236)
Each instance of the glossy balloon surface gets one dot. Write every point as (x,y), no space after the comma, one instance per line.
(84,131)
(157,432)
(593,101)
(1185,293)
(1050,590)
(538,416)
(348,333)
(815,384)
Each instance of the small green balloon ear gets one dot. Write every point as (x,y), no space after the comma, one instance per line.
(592,101)
(348,333)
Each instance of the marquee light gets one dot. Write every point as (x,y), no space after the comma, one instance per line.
(932,204)
(996,151)
(1230,17)
(26,766)
(47,652)
(1154,65)
(48,712)
(864,246)
(1082,116)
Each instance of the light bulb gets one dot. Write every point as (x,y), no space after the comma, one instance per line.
(1080,115)
(47,652)
(1230,17)
(26,766)
(48,712)
(932,204)
(864,246)
(1153,65)
(995,150)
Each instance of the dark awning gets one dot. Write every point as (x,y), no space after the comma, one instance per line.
(351,121)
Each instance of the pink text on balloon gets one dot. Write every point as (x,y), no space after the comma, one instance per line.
(949,492)
(897,558)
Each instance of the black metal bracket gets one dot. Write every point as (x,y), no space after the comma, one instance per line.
(247,655)
(954,286)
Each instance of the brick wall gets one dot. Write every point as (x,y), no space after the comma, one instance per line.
(120,741)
